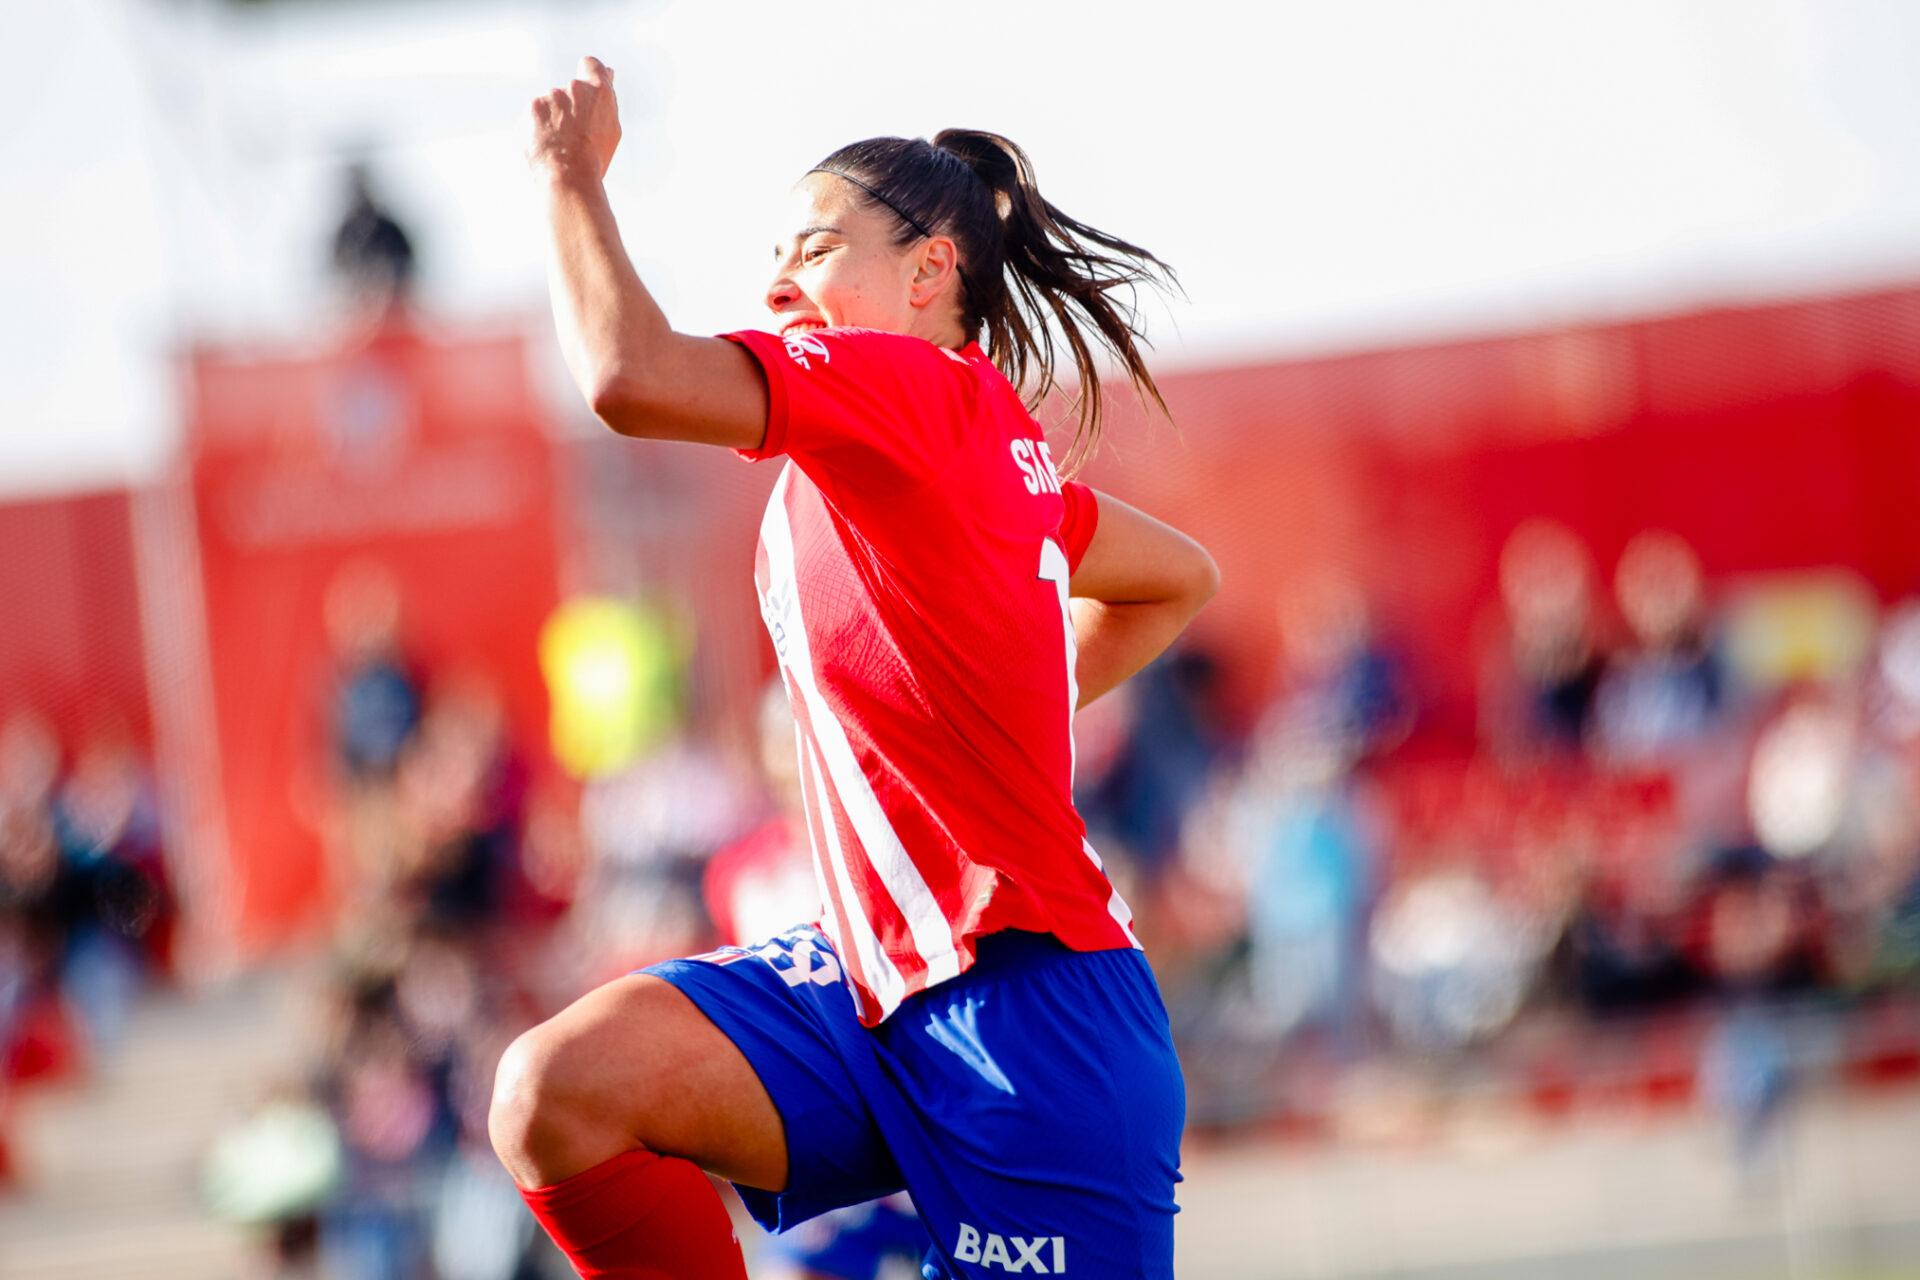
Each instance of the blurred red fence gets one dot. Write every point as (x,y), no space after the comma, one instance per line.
(1770,438)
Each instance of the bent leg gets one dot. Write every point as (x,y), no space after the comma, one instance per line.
(633,1065)
(605,1115)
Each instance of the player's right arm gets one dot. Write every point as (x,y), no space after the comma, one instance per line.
(1135,589)
(640,377)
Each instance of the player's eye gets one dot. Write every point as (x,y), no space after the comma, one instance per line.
(812,255)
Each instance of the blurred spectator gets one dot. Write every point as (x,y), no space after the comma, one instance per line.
(41,899)
(1345,694)
(1800,783)
(108,827)
(1452,961)
(417,1028)
(1664,692)
(1625,946)
(1312,848)
(650,830)
(458,789)
(764,883)
(1538,694)
(1159,768)
(372,253)
(85,908)
(376,701)
(374,707)
(1760,925)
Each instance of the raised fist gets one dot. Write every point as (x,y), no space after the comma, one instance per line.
(577,127)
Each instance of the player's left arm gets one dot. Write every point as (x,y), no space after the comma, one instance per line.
(1136,588)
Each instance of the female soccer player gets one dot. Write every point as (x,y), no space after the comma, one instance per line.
(972,1019)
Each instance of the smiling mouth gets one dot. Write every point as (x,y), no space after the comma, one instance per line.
(806,325)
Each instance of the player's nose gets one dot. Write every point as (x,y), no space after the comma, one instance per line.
(782,293)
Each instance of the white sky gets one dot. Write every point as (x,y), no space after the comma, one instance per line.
(1325,176)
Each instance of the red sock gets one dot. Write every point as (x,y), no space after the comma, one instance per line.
(641,1216)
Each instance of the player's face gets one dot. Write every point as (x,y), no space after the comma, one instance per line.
(838,263)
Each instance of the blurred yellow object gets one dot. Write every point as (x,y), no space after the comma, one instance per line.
(611,669)
(1789,627)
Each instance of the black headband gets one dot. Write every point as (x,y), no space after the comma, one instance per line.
(906,217)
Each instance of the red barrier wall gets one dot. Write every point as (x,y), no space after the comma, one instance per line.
(425,456)
(70,645)
(1771,438)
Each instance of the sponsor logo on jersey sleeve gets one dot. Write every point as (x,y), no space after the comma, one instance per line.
(802,345)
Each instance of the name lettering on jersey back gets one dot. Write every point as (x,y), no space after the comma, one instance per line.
(992,1250)
(1035,461)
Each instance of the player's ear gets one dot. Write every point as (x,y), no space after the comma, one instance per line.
(935,270)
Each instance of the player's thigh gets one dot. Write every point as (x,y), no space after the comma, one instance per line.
(634,1063)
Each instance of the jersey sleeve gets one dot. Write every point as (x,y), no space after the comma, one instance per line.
(1081,519)
(871,408)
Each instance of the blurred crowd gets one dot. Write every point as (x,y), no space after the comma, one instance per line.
(372,1160)
(86,909)
(1685,835)
(1678,861)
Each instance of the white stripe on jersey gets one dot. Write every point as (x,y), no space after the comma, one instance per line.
(807,804)
(834,910)
(926,922)
(883,978)
(1116,905)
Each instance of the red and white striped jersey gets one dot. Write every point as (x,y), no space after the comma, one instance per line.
(912,571)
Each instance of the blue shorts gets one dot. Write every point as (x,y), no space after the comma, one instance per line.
(1032,1106)
(854,1243)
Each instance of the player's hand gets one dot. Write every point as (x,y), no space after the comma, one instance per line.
(577,127)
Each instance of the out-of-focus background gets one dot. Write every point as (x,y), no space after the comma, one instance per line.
(1527,838)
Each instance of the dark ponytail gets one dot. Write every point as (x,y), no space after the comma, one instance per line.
(1026,268)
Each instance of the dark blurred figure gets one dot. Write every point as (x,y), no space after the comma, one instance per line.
(372,253)
(1303,815)
(1162,765)
(41,899)
(1538,692)
(460,790)
(1760,930)
(107,823)
(1621,953)
(1662,694)
(376,698)
(1761,940)
(1344,691)
(373,710)
(394,1127)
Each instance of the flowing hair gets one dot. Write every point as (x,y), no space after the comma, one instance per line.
(1031,277)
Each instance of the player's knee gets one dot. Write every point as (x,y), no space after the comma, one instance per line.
(532,1120)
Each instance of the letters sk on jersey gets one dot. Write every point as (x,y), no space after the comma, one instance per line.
(912,572)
